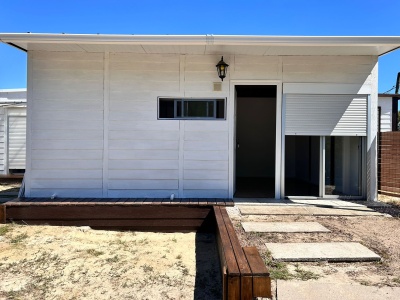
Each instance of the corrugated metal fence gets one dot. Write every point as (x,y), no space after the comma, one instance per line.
(389,163)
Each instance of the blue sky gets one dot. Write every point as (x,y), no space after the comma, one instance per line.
(273,17)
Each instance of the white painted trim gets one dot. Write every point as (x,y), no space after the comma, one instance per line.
(231,115)
(369,146)
(283,145)
(279,143)
(12,90)
(181,156)
(6,143)
(364,169)
(106,111)
(29,117)
(207,39)
(322,166)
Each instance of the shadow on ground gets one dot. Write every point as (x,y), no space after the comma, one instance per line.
(208,284)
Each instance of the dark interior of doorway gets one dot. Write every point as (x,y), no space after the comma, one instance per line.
(255,141)
(302,165)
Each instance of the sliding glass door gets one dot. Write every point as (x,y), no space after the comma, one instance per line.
(343,166)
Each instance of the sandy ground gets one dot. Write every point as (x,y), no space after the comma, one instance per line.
(380,234)
(49,262)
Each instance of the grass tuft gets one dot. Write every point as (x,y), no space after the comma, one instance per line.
(94,252)
(146,268)
(304,274)
(5,229)
(19,238)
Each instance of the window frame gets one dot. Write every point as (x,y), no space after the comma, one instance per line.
(181,101)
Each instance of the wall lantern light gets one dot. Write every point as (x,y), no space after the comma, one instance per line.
(222,68)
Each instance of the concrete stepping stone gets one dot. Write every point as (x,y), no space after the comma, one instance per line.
(340,251)
(290,227)
(348,211)
(273,210)
(300,290)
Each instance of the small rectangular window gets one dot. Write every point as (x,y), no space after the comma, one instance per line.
(169,108)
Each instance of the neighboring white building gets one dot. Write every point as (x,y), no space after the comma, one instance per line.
(12,132)
(388,104)
(147,116)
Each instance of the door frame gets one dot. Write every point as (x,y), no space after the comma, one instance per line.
(231,116)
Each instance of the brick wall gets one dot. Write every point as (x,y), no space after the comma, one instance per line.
(389,163)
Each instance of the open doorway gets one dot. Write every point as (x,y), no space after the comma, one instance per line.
(255,141)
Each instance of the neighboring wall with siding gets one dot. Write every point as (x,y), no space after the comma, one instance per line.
(94,129)
(385,104)
(12,103)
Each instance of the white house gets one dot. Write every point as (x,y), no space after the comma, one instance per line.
(12,132)
(147,116)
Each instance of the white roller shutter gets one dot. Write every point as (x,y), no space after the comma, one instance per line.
(325,115)
(16,142)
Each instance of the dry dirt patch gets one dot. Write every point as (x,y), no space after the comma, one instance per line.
(380,234)
(49,262)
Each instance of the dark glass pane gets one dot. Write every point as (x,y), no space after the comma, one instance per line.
(220,109)
(199,109)
(166,108)
(179,109)
(343,156)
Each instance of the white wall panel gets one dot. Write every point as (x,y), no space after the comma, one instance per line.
(143,151)
(3,137)
(66,124)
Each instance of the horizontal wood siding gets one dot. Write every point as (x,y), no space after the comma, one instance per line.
(142,156)
(385,104)
(67,124)
(206,156)
(329,69)
(16,141)
(143,151)
(256,67)
(3,156)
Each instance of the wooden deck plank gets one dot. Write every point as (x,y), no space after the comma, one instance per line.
(261,279)
(41,212)
(135,201)
(237,248)
(232,267)
(2,214)
(131,223)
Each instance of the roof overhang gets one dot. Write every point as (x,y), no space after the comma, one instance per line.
(205,44)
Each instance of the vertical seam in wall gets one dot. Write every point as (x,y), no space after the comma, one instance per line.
(28,167)
(106,100)
(181,157)
(6,154)
(182,62)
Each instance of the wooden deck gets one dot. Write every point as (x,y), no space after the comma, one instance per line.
(120,201)
(120,214)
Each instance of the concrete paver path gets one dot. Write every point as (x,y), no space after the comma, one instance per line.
(289,227)
(339,251)
(306,210)
(295,290)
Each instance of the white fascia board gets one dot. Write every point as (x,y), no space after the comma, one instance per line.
(386,43)
(202,39)
(12,90)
